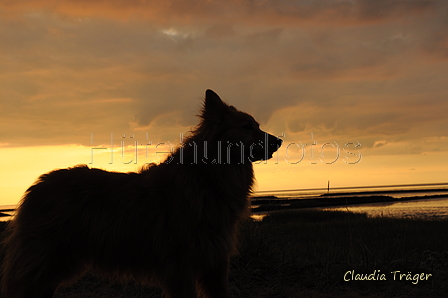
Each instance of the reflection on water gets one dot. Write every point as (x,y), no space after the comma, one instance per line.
(8,212)
(430,208)
(427,208)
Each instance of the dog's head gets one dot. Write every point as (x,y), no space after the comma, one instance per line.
(238,133)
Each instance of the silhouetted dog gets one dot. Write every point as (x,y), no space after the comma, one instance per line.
(174,224)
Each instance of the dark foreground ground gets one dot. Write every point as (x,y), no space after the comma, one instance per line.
(308,253)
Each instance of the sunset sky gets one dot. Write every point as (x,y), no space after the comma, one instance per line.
(367,81)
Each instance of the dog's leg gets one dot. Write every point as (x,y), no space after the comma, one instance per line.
(28,287)
(179,282)
(34,270)
(213,282)
(47,292)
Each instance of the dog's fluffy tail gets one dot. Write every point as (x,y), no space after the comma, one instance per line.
(36,260)
(24,268)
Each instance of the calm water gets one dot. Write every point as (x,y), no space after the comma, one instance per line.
(430,208)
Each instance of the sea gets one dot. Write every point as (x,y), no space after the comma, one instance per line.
(428,200)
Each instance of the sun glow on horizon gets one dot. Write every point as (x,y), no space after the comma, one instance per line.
(28,163)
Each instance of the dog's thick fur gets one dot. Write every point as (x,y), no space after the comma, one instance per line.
(174,223)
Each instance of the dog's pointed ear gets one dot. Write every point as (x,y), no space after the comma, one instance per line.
(214,107)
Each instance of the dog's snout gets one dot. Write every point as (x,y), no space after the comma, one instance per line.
(278,142)
(274,141)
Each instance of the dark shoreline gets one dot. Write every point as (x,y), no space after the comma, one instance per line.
(380,192)
(272,203)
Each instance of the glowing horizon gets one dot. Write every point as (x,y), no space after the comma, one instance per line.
(280,172)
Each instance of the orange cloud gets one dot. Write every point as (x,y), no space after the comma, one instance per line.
(354,65)
(261,12)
